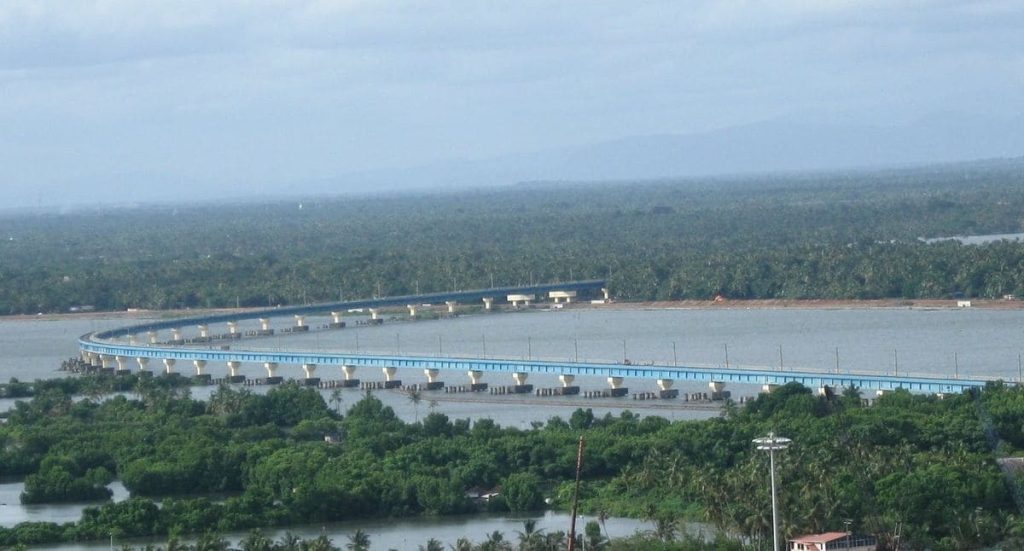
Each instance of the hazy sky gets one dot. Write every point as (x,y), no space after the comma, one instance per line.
(140,100)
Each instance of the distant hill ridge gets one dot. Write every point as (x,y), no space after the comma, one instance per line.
(772,146)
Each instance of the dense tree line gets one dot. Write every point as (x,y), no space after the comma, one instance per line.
(924,463)
(837,235)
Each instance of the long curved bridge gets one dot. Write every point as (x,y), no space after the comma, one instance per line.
(114,349)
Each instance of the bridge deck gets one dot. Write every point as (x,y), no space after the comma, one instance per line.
(99,343)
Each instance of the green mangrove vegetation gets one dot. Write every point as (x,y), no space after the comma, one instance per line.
(828,235)
(242,460)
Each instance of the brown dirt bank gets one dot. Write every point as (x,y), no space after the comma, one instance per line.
(822,304)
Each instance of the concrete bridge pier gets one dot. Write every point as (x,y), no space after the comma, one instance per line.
(300,324)
(521,387)
(154,337)
(375,318)
(567,387)
(176,336)
(107,364)
(310,371)
(143,365)
(452,305)
(350,381)
(265,328)
(336,321)
(272,378)
(169,366)
(558,296)
(389,378)
(200,366)
(233,375)
(204,333)
(515,299)
(432,382)
(607,294)
(768,388)
(412,310)
(95,361)
(233,330)
(488,302)
(121,363)
(665,390)
(617,389)
(718,391)
(475,377)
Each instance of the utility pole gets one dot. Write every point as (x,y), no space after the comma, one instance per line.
(576,496)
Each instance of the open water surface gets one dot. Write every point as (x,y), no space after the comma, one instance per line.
(984,343)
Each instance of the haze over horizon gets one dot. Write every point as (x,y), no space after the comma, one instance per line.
(108,102)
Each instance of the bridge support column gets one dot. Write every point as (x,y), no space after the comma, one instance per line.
(559,296)
(389,378)
(567,387)
(272,378)
(488,302)
(310,371)
(143,365)
(169,366)
(153,337)
(350,381)
(617,389)
(375,316)
(233,330)
(412,310)
(233,375)
(665,390)
(607,294)
(474,380)
(336,321)
(768,388)
(200,366)
(300,323)
(718,391)
(107,363)
(176,336)
(204,333)
(122,365)
(265,327)
(521,387)
(95,361)
(432,382)
(451,306)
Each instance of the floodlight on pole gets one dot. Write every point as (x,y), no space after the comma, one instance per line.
(771,443)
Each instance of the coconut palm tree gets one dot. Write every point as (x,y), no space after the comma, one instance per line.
(432,545)
(415,396)
(336,400)
(358,541)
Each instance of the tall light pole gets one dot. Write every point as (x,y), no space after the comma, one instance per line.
(771,443)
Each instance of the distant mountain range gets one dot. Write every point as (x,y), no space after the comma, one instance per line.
(772,146)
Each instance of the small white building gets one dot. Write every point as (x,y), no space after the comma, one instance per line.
(832,541)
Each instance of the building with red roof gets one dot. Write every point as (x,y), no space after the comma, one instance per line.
(832,541)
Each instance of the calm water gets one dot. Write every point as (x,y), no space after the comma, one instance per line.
(408,534)
(986,343)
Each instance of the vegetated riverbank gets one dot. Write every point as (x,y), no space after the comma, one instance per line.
(915,461)
(742,304)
